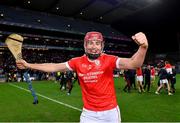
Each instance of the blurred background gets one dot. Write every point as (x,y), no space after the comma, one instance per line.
(53,30)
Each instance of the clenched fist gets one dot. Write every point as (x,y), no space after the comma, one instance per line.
(140,39)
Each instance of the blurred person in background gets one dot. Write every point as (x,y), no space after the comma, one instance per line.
(139,79)
(173,80)
(153,76)
(147,77)
(163,79)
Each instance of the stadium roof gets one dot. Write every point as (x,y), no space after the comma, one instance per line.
(135,12)
(154,17)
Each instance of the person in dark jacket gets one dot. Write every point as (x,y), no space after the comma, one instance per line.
(163,75)
(147,76)
(173,79)
(69,77)
(127,79)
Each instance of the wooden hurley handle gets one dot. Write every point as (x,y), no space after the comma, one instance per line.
(14,43)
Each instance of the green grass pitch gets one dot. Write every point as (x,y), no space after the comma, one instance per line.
(16,103)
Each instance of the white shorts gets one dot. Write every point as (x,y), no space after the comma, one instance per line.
(169,70)
(163,81)
(108,116)
(139,78)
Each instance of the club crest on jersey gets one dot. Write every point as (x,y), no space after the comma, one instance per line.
(97,62)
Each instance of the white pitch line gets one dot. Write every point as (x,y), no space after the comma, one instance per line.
(67,105)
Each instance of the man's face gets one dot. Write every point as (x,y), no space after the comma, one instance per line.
(93,46)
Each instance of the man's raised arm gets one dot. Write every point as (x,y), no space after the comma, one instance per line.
(138,58)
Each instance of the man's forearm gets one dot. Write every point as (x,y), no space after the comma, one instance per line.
(139,56)
(48,67)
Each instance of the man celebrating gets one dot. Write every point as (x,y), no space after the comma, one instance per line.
(95,74)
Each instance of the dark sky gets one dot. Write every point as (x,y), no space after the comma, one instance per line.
(160,41)
(160,22)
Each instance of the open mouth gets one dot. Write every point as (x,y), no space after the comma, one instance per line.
(92,51)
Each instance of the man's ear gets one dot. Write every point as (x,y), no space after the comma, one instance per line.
(84,46)
(102,46)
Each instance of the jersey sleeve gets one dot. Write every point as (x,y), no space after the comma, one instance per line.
(71,64)
(117,63)
(114,61)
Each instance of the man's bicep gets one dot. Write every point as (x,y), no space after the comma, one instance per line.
(62,67)
(124,63)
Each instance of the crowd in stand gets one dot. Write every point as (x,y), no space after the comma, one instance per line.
(141,79)
(11,73)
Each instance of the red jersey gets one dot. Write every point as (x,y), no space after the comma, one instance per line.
(139,72)
(168,66)
(96,81)
(153,72)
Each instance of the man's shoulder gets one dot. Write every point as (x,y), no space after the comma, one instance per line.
(108,55)
(108,58)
